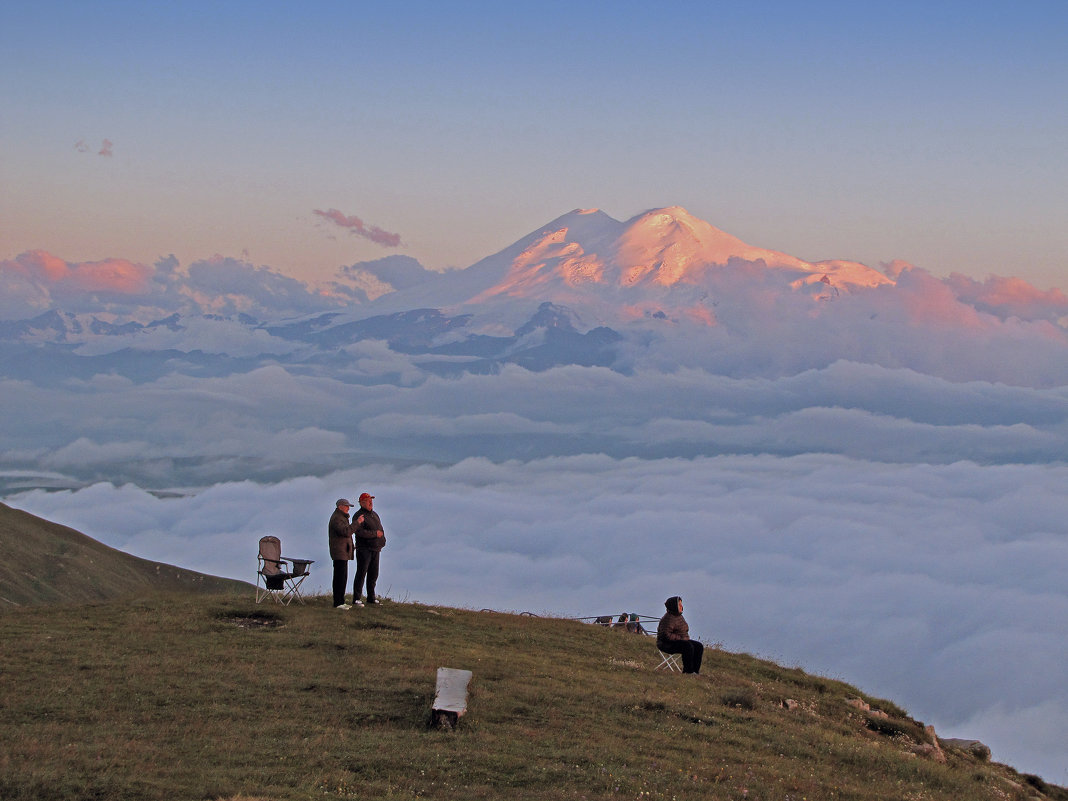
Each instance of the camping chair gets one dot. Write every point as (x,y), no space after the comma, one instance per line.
(669,662)
(278,576)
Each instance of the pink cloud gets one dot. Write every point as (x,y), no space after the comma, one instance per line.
(896,267)
(931,302)
(110,275)
(356,226)
(105,147)
(1010,297)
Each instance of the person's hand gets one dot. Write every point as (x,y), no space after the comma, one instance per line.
(360,520)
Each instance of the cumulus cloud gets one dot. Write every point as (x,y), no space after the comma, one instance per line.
(37,281)
(44,282)
(1010,296)
(229,286)
(938,586)
(110,276)
(357,227)
(920,324)
(383,276)
(20,296)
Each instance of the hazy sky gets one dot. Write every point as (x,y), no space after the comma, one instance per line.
(935,133)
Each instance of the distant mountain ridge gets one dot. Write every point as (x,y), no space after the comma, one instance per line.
(661,290)
(46,563)
(564,294)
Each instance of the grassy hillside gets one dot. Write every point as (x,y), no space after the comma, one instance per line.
(46,563)
(201,697)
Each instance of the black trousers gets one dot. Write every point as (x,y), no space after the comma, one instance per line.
(692,651)
(366,567)
(341,578)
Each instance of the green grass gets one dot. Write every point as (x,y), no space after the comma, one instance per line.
(46,563)
(212,697)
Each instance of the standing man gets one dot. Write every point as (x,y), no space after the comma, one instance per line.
(340,536)
(369,542)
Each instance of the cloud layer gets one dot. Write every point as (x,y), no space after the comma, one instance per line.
(938,586)
(189,418)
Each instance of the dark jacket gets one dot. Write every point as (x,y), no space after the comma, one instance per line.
(672,626)
(367,538)
(340,534)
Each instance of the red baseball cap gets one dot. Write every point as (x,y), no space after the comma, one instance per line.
(367,495)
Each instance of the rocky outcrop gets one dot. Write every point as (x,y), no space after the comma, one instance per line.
(973,747)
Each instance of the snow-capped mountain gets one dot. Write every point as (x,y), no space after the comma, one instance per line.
(661,248)
(664,262)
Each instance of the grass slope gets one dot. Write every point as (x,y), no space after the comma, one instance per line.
(45,563)
(199,697)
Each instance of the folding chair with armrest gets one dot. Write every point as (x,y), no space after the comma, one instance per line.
(279,576)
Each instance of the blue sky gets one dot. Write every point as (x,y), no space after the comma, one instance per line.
(935,133)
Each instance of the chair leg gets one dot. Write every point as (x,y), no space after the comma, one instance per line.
(293,589)
(276,595)
(669,662)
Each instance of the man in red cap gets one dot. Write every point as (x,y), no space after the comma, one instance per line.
(369,542)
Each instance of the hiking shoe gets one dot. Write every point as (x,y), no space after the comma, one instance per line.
(375,601)
(343,606)
(357,603)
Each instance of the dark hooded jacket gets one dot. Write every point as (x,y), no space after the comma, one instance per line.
(672,626)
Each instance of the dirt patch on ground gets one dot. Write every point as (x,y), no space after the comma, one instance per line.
(254,620)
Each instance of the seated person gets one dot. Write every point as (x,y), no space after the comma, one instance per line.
(673,636)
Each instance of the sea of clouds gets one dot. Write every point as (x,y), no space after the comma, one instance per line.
(873,488)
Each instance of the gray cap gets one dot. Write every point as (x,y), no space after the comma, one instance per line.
(342,502)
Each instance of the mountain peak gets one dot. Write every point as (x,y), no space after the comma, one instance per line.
(585,253)
(669,246)
(583,219)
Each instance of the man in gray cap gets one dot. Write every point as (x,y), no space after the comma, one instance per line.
(341,546)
